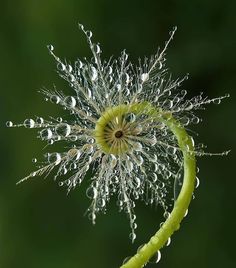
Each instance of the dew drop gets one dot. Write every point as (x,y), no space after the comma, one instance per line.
(69,68)
(50,47)
(168,242)
(197,182)
(144,77)
(132,236)
(54,158)
(156,257)
(61,66)
(89,34)
(94,73)
(70,102)
(137,146)
(130,118)
(40,120)
(34,160)
(29,123)
(129,165)
(9,124)
(55,99)
(63,129)
(91,192)
(46,134)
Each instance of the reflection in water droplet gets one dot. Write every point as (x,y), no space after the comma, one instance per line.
(46,134)
(34,160)
(55,99)
(70,102)
(9,124)
(144,77)
(29,123)
(168,242)
(63,129)
(50,47)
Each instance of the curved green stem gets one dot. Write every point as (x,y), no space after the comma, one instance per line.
(172,224)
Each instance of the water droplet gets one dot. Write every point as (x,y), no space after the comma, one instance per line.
(129,165)
(97,49)
(197,182)
(137,146)
(71,78)
(113,161)
(144,77)
(9,124)
(69,68)
(55,99)
(89,34)
(138,129)
(34,160)
(40,120)
(94,73)
(168,242)
(132,236)
(91,192)
(139,160)
(54,158)
(61,66)
(50,47)
(46,134)
(70,102)
(29,123)
(156,257)
(63,129)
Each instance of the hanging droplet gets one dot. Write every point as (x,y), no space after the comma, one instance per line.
(132,236)
(29,123)
(94,73)
(34,160)
(54,158)
(197,182)
(156,257)
(50,47)
(130,117)
(55,99)
(63,129)
(144,77)
(91,192)
(45,134)
(70,102)
(9,124)
(89,34)
(137,146)
(40,121)
(61,66)
(168,242)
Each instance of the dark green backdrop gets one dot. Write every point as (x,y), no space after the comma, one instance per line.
(41,227)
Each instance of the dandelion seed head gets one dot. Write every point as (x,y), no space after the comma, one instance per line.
(114,132)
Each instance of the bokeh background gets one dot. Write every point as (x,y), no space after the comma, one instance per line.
(42,227)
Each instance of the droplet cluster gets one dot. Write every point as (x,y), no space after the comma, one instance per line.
(151,166)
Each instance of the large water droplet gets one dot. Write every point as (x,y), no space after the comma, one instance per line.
(91,192)
(70,102)
(55,99)
(29,123)
(54,158)
(63,129)
(46,134)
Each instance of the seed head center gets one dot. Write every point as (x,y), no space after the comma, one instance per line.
(119,134)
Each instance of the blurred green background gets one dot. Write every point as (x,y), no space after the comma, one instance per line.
(42,227)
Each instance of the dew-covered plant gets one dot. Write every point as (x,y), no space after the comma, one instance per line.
(126,126)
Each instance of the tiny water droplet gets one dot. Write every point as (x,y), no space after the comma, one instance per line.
(34,160)
(70,102)
(50,47)
(156,257)
(9,124)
